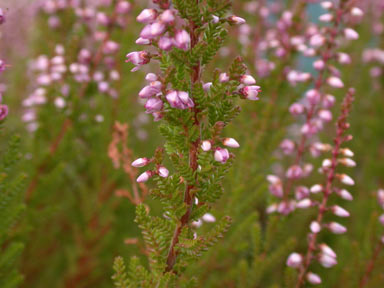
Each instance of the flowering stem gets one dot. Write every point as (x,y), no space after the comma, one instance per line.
(342,126)
(318,83)
(193,151)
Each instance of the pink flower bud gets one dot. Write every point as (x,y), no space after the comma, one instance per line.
(335,82)
(294,260)
(301,192)
(215,19)
(326,18)
(319,65)
(138,58)
(317,40)
(380,197)
(3,111)
(197,224)
(147,16)
(286,207)
(347,162)
(207,86)
(315,227)
(325,115)
(327,261)
(343,58)
(336,228)
(209,218)
(313,96)
(339,211)
(327,163)
(294,172)
(163,172)
(235,20)
(247,80)
(328,101)
(296,109)
(251,92)
(153,105)
(141,162)
(326,5)
(182,40)
(165,43)
(144,177)
(357,12)
(381,219)
(288,146)
(143,41)
(149,91)
(305,203)
(313,278)
(123,7)
(351,34)
(345,194)
(167,16)
(206,145)
(179,100)
(344,178)
(346,152)
(223,77)
(221,155)
(151,77)
(325,249)
(230,142)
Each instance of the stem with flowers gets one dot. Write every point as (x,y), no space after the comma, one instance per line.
(192,114)
(326,256)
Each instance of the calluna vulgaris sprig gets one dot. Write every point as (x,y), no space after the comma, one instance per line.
(184,37)
(317,103)
(316,251)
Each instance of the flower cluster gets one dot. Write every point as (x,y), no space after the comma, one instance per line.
(315,107)
(339,157)
(94,62)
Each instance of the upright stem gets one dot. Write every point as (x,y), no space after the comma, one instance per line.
(193,153)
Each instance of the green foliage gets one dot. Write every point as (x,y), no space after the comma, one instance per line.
(11,208)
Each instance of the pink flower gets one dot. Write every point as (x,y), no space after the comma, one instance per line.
(144,177)
(153,105)
(296,109)
(182,40)
(147,16)
(221,155)
(163,172)
(230,142)
(336,228)
(179,100)
(141,162)
(3,111)
(294,260)
(313,278)
(206,145)
(247,80)
(251,92)
(235,20)
(165,43)
(138,59)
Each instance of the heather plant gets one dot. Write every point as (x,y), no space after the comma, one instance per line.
(145,164)
(186,36)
